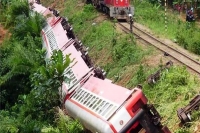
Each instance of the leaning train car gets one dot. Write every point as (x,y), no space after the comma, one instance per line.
(119,9)
(100,105)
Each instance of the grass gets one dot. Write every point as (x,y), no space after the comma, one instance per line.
(167,95)
(125,61)
(153,16)
(174,90)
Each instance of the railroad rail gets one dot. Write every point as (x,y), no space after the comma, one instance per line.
(169,50)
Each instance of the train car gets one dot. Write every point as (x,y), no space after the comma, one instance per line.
(100,105)
(119,9)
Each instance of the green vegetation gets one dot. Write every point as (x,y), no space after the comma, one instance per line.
(29,94)
(29,97)
(119,56)
(174,90)
(185,33)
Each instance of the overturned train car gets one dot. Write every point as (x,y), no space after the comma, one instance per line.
(100,105)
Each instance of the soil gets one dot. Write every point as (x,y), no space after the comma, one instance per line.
(101,18)
(3,33)
(197,129)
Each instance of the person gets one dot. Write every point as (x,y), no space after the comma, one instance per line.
(179,8)
(187,15)
(192,9)
(38,1)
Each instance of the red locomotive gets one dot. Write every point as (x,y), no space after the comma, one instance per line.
(100,105)
(119,9)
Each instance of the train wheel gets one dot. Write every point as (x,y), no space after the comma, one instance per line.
(94,4)
(106,10)
(185,118)
(101,7)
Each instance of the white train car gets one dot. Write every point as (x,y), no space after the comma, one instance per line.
(100,105)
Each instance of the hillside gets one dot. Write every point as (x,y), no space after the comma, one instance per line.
(173,91)
(33,107)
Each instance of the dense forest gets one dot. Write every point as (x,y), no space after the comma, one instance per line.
(29,84)
(29,98)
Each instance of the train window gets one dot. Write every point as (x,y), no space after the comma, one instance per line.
(88,97)
(98,104)
(95,103)
(46,28)
(77,96)
(105,109)
(89,101)
(111,111)
(85,99)
(74,81)
(97,108)
(52,40)
(80,95)
(100,109)
(92,102)
(69,73)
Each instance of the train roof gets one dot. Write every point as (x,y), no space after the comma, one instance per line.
(110,91)
(55,37)
(101,97)
(39,8)
(51,18)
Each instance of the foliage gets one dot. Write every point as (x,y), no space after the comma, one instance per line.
(34,85)
(17,66)
(36,109)
(174,89)
(33,111)
(179,77)
(8,123)
(182,130)
(51,77)
(126,52)
(14,9)
(189,39)
(140,75)
(185,33)
(64,124)
(28,25)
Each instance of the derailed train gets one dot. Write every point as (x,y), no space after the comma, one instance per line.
(119,9)
(100,105)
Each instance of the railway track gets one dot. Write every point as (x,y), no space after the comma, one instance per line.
(171,51)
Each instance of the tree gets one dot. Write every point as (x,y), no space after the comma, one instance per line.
(19,59)
(52,75)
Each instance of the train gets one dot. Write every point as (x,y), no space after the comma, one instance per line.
(119,9)
(100,105)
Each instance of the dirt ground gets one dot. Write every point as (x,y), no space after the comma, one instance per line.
(197,129)
(3,33)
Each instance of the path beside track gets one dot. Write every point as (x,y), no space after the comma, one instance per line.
(183,56)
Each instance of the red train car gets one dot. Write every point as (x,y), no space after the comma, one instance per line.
(119,9)
(100,105)
(118,3)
